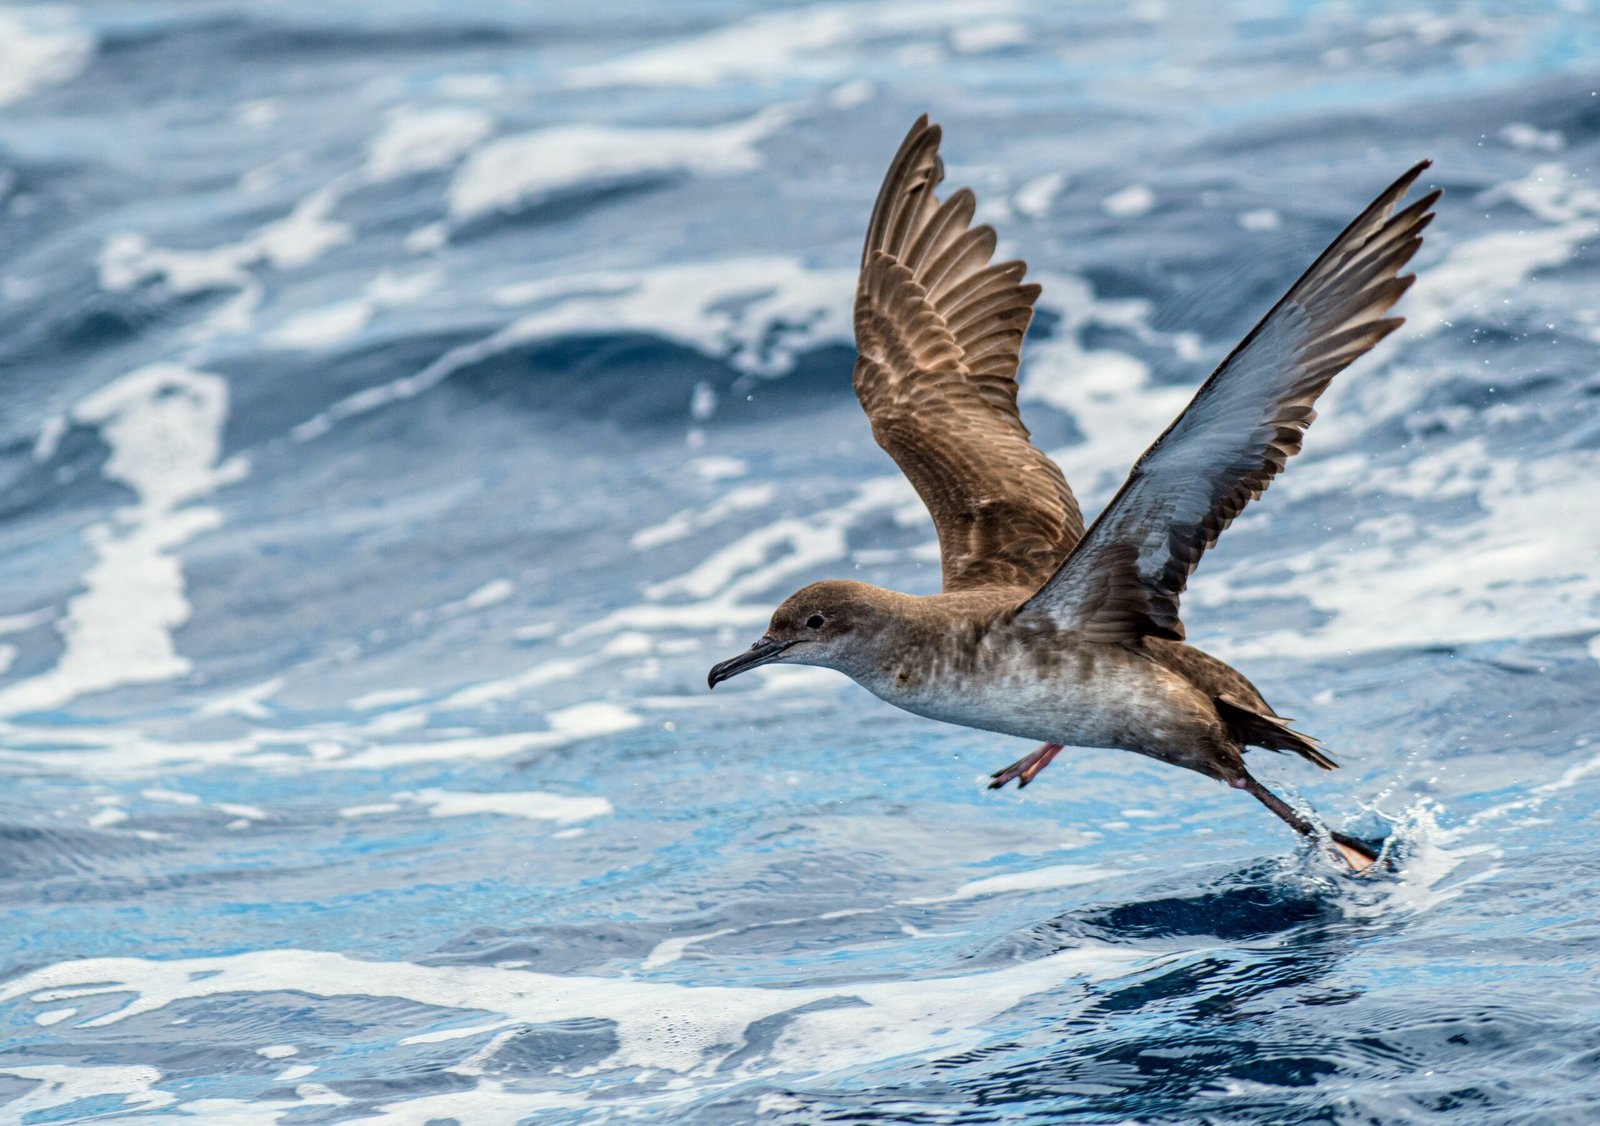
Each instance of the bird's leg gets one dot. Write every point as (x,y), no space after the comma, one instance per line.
(1359,856)
(1027,768)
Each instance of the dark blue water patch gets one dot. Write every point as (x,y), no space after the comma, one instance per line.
(643,382)
(1052,427)
(820,378)
(198,60)
(41,338)
(343,40)
(559,208)
(389,210)
(1255,911)
(1505,678)
(41,854)
(1564,103)
(628,380)
(71,479)
(262,409)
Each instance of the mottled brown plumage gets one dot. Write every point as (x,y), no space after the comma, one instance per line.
(1042,630)
(939,334)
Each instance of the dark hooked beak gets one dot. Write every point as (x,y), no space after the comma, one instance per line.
(758,654)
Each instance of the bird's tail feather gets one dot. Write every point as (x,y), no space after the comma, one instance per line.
(1270,731)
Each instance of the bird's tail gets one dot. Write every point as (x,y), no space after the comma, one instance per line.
(1270,731)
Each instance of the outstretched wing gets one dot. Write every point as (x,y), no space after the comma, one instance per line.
(939,331)
(1124,578)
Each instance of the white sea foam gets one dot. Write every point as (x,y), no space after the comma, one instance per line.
(318,329)
(849,95)
(671,950)
(491,593)
(715,589)
(1513,571)
(249,702)
(61,1085)
(816,42)
(567,725)
(385,698)
(129,260)
(373,809)
(1034,879)
(114,752)
(526,168)
(1478,273)
(546,672)
(1521,135)
(21,623)
(1261,219)
(679,1028)
(749,566)
(682,524)
(1107,392)
(531,805)
(1034,198)
(489,1102)
(425,140)
(240,810)
(298,239)
(718,468)
(176,797)
(164,426)
(979,38)
(108,817)
(1431,871)
(40,46)
(1130,201)
(256,113)
(511,687)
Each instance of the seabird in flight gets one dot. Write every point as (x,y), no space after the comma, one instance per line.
(1043,629)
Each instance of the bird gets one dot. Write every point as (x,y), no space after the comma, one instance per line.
(1044,628)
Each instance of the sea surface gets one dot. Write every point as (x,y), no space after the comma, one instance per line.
(405,404)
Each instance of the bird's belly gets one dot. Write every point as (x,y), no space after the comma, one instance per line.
(1118,706)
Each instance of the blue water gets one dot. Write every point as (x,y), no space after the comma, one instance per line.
(407,403)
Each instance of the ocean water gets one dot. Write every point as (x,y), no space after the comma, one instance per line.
(406,403)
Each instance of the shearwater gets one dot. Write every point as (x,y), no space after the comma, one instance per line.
(1042,629)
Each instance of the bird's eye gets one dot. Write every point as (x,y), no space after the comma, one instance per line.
(816,621)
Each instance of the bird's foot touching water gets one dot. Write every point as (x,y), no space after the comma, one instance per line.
(1027,768)
(1360,856)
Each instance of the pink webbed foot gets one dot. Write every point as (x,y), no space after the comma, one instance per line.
(1026,769)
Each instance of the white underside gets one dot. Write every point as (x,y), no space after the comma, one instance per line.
(1137,706)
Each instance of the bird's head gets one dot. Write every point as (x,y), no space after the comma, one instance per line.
(836,624)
